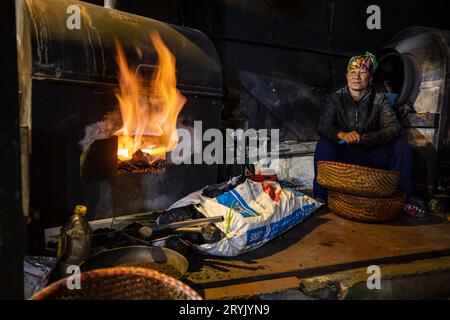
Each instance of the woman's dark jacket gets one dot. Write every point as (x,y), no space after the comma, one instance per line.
(372,117)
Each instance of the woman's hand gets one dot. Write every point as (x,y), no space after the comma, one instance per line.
(349,137)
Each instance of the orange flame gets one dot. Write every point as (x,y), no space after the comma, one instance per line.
(149,113)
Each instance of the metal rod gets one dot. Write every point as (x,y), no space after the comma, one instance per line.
(187,223)
(192,91)
(190,230)
(281,46)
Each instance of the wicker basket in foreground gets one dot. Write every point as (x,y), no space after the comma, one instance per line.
(120,283)
(363,209)
(356,180)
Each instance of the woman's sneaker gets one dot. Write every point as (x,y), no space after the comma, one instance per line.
(320,201)
(414,212)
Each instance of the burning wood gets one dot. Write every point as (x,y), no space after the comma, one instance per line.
(141,162)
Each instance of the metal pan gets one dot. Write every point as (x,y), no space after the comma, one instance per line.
(138,256)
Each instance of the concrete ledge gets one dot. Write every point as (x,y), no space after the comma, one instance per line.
(422,279)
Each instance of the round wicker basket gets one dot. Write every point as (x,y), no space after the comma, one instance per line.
(363,209)
(119,283)
(356,180)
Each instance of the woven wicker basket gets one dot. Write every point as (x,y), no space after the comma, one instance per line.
(363,209)
(356,180)
(124,283)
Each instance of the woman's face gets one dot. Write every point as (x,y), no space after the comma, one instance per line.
(358,80)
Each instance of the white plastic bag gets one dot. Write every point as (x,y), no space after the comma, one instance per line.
(254,213)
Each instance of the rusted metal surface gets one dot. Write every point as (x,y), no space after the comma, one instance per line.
(321,245)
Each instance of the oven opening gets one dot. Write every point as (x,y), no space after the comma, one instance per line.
(398,76)
(136,137)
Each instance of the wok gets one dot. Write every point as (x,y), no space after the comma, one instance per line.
(138,256)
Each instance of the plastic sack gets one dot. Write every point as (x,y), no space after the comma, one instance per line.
(37,272)
(254,213)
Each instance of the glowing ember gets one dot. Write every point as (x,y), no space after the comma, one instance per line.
(149,112)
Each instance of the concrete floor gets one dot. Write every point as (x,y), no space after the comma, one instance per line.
(327,257)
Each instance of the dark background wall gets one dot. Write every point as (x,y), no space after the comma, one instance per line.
(317,24)
(284,55)
(280,56)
